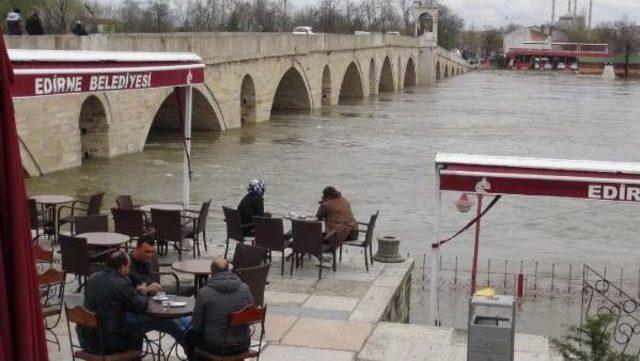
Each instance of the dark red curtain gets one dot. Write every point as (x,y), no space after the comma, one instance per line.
(21,328)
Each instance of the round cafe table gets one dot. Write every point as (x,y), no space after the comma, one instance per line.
(199,268)
(155,309)
(104,239)
(54,200)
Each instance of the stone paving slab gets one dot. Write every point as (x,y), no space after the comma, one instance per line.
(293,353)
(335,303)
(328,334)
(394,341)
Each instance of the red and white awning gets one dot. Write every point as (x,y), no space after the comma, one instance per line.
(53,72)
(614,181)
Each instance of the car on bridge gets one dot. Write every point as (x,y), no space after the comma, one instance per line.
(303,30)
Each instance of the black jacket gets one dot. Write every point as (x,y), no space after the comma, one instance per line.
(251,205)
(223,294)
(111,296)
(34,25)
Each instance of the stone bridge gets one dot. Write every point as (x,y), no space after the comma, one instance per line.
(247,77)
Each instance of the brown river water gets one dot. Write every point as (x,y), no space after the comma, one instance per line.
(379,152)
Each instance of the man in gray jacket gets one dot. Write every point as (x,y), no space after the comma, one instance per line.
(223,294)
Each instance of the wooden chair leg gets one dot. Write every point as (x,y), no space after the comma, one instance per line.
(282,267)
(340,253)
(226,248)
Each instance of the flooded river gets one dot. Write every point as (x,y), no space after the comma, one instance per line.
(379,153)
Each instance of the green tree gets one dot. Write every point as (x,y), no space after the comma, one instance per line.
(450,26)
(590,342)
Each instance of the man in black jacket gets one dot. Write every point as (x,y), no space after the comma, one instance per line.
(223,294)
(110,294)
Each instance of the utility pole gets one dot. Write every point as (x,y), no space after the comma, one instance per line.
(590,12)
(569,11)
(575,8)
(553,11)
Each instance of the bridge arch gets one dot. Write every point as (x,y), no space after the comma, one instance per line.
(326,86)
(94,129)
(373,84)
(248,109)
(410,73)
(386,77)
(167,117)
(351,87)
(292,92)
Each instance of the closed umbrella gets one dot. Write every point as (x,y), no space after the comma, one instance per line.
(21,325)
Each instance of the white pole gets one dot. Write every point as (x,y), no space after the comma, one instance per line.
(187,139)
(434,318)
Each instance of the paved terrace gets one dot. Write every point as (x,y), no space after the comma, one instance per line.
(348,315)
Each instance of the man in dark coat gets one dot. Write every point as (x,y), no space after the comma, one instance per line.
(110,294)
(223,294)
(252,205)
(34,24)
(14,22)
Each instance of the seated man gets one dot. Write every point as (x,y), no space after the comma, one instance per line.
(141,276)
(335,210)
(223,294)
(111,296)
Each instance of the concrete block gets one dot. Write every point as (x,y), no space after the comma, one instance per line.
(292,353)
(331,303)
(328,334)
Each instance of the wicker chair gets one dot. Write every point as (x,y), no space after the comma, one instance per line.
(78,208)
(256,279)
(77,258)
(247,317)
(86,224)
(51,284)
(124,201)
(40,221)
(83,318)
(366,244)
(199,226)
(308,239)
(235,228)
(133,223)
(269,234)
(169,229)
(246,256)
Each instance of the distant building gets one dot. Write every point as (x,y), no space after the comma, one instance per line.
(525,38)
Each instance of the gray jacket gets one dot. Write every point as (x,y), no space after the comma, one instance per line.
(223,294)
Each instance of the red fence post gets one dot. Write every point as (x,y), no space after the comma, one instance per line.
(520,285)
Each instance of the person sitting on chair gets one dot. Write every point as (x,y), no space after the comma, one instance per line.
(110,294)
(252,205)
(142,278)
(335,210)
(223,294)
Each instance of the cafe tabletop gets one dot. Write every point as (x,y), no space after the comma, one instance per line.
(156,310)
(52,199)
(198,267)
(169,207)
(104,239)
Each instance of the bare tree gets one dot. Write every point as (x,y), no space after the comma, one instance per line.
(627,41)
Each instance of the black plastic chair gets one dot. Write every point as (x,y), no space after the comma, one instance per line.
(269,234)
(366,244)
(235,228)
(309,239)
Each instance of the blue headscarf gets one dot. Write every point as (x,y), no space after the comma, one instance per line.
(257,186)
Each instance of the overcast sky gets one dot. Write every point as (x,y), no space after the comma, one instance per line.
(528,12)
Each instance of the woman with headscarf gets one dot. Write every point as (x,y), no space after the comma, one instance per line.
(335,210)
(252,204)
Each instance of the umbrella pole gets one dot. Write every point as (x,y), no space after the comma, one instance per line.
(435,253)
(187,139)
(476,245)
